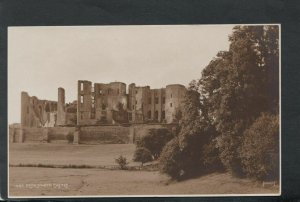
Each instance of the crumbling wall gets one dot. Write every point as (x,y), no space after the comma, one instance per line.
(37,113)
(157,106)
(138,102)
(84,103)
(96,105)
(104,104)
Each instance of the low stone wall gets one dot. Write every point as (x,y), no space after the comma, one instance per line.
(28,134)
(15,135)
(107,134)
(33,134)
(59,133)
(104,135)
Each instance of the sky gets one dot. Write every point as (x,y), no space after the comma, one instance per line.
(43,58)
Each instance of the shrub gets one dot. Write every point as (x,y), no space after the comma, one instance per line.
(183,157)
(70,138)
(228,146)
(192,142)
(122,161)
(155,140)
(211,159)
(142,155)
(260,148)
(170,160)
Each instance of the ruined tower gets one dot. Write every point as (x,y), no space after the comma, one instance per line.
(175,94)
(24,109)
(61,114)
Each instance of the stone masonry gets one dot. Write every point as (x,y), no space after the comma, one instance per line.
(104,104)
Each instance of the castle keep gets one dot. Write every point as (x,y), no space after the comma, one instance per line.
(105,104)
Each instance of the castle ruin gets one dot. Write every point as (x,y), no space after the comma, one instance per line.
(100,104)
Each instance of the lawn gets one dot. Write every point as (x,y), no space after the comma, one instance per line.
(65,154)
(37,181)
(76,182)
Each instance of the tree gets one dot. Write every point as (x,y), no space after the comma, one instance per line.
(239,84)
(155,140)
(260,147)
(142,155)
(235,88)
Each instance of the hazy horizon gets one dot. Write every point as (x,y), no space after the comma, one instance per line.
(41,59)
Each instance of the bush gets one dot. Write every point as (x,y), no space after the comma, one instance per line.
(191,147)
(228,146)
(211,159)
(155,140)
(190,154)
(70,138)
(142,155)
(170,160)
(260,148)
(122,161)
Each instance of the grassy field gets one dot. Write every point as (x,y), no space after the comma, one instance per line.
(37,181)
(65,154)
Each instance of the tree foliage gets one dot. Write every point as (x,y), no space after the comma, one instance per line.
(170,159)
(142,155)
(260,148)
(239,84)
(235,88)
(155,140)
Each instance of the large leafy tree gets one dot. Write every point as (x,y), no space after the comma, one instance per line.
(235,88)
(239,84)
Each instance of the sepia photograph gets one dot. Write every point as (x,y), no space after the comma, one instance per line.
(144,110)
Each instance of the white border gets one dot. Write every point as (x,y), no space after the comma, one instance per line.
(180,195)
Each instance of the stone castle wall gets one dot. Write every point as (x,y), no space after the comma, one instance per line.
(105,135)
(100,104)
(36,112)
(108,134)
(46,113)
